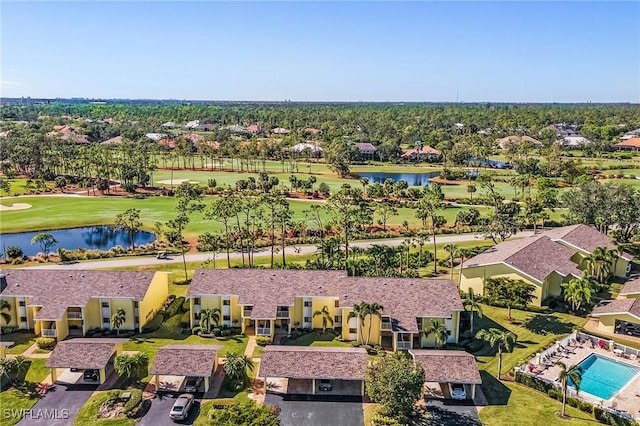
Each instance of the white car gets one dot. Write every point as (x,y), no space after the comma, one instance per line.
(457,391)
(181,407)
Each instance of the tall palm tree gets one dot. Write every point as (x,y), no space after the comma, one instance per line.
(326,317)
(439,330)
(208,317)
(573,373)
(453,251)
(503,339)
(473,304)
(601,263)
(235,368)
(5,306)
(374,309)
(360,311)
(118,319)
(577,291)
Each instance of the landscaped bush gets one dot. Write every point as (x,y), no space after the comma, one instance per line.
(226,332)
(474,346)
(130,407)
(533,382)
(46,343)
(186,306)
(185,321)
(196,330)
(174,308)
(217,331)
(154,324)
(263,340)
(8,330)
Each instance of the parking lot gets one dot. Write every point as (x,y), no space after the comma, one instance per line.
(60,405)
(158,413)
(307,410)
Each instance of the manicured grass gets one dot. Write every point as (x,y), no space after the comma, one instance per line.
(257,352)
(22,341)
(243,395)
(37,371)
(317,338)
(25,396)
(88,413)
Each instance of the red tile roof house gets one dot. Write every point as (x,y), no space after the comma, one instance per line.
(516,141)
(632,144)
(265,301)
(255,129)
(425,153)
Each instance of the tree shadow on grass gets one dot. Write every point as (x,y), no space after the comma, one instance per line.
(494,390)
(547,324)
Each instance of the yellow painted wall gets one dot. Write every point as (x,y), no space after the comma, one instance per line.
(297,317)
(13,312)
(127,305)
(210,302)
(430,340)
(474,277)
(31,314)
(236,311)
(317,303)
(345,323)
(608,322)
(553,285)
(621,268)
(455,325)
(93,314)
(62,328)
(155,297)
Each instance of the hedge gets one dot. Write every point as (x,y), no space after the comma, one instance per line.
(263,340)
(185,321)
(186,305)
(130,407)
(174,308)
(47,343)
(154,324)
(533,382)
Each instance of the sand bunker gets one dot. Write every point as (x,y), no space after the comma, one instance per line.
(15,206)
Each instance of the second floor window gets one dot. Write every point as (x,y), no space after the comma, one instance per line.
(105,304)
(307,319)
(105,320)
(23,319)
(307,304)
(226,302)
(353,330)
(196,300)
(21,303)
(227,317)
(337,318)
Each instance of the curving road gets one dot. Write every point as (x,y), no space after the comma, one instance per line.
(263,252)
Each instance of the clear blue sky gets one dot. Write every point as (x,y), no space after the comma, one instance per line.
(333,51)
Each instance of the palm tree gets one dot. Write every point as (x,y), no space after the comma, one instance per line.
(573,373)
(360,311)
(503,339)
(473,305)
(4,305)
(439,330)
(326,317)
(235,368)
(453,251)
(421,238)
(601,263)
(577,291)
(374,309)
(118,319)
(131,366)
(208,317)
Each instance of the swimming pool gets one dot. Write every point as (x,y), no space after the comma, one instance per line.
(603,377)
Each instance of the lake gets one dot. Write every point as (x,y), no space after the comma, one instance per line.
(90,237)
(412,179)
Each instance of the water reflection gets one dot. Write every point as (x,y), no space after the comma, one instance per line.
(412,179)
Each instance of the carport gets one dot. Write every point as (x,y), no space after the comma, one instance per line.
(186,360)
(449,367)
(303,368)
(84,354)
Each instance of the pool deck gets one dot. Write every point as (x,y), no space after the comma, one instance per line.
(627,399)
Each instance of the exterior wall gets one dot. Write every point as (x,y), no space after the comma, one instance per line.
(62,328)
(127,305)
(296,312)
(93,314)
(430,340)
(553,285)
(455,327)
(155,297)
(621,268)
(316,305)
(473,277)
(13,312)
(630,296)
(236,311)
(608,322)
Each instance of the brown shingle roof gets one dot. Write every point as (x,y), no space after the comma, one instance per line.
(57,290)
(631,306)
(83,353)
(185,360)
(403,299)
(313,362)
(631,287)
(584,238)
(536,256)
(443,366)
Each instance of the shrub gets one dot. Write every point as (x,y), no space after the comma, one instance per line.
(47,343)
(534,383)
(262,340)
(196,330)
(225,332)
(185,321)
(154,324)
(14,252)
(174,308)
(130,407)
(112,396)
(186,306)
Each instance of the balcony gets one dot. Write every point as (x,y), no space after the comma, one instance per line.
(247,313)
(282,314)
(263,331)
(386,325)
(48,332)
(403,345)
(74,315)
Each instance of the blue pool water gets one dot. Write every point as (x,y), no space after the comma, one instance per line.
(603,377)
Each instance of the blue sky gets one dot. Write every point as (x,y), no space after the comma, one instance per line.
(323,51)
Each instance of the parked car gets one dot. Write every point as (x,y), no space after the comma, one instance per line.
(182,406)
(325,385)
(91,375)
(192,384)
(457,391)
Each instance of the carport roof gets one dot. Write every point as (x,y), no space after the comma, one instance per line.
(305,362)
(185,360)
(83,353)
(443,366)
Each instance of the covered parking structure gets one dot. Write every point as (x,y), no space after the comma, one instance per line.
(310,370)
(449,367)
(85,354)
(186,360)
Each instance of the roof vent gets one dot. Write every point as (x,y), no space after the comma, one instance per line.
(70,276)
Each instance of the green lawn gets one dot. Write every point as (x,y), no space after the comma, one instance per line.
(22,341)
(317,338)
(88,413)
(25,396)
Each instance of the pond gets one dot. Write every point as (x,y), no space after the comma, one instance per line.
(90,237)
(412,179)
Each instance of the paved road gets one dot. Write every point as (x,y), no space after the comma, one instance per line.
(221,257)
(60,405)
(307,412)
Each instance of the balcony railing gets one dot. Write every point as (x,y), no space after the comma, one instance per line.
(386,325)
(74,315)
(265,331)
(282,314)
(247,312)
(404,345)
(48,332)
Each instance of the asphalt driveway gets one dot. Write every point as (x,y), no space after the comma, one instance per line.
(451,412)
(60,405)
(158,413)
(317,411)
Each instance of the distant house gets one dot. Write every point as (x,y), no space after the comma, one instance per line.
(425,153)
(156,136)
(573,141)
(193,124)
(312,131)
(169,125)
(630,135)
(113,141)
(516,141)
(367,151)
(255,129)
(68,133)
(280,131)
(632,144)
(194,138)
(237,129)
(315,150)
(622,315)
